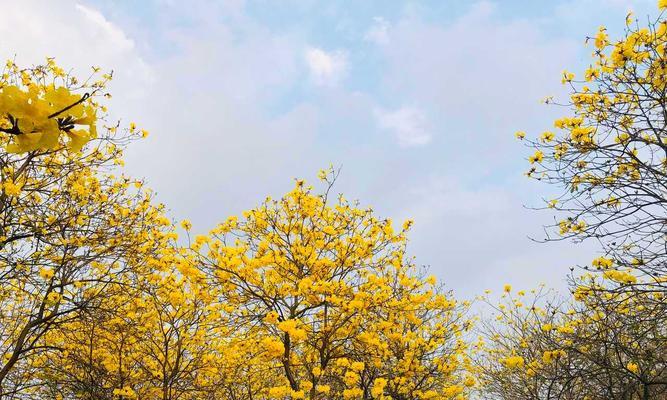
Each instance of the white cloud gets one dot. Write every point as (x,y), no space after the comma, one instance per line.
(326,68)
(408,124)
(378,33)
(102,28)
(78,36)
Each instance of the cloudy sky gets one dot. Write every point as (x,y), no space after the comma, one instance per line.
(418,102)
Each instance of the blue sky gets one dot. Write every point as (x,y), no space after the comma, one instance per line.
(417,101)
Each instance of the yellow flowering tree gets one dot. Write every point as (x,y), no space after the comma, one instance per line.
(595,345)
(70,229)
(182,337)
(245,368)
(335,303)
(418,350)
(161,337)
(608,152)
(97,354)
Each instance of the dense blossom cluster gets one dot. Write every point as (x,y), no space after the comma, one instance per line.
(43,108)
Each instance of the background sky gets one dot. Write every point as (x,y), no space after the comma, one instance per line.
(417,101)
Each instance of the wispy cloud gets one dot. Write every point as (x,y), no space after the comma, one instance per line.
(115,36)
(326,68)
(409,125)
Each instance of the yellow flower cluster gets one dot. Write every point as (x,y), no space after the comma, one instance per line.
(37,115)
(514,362)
